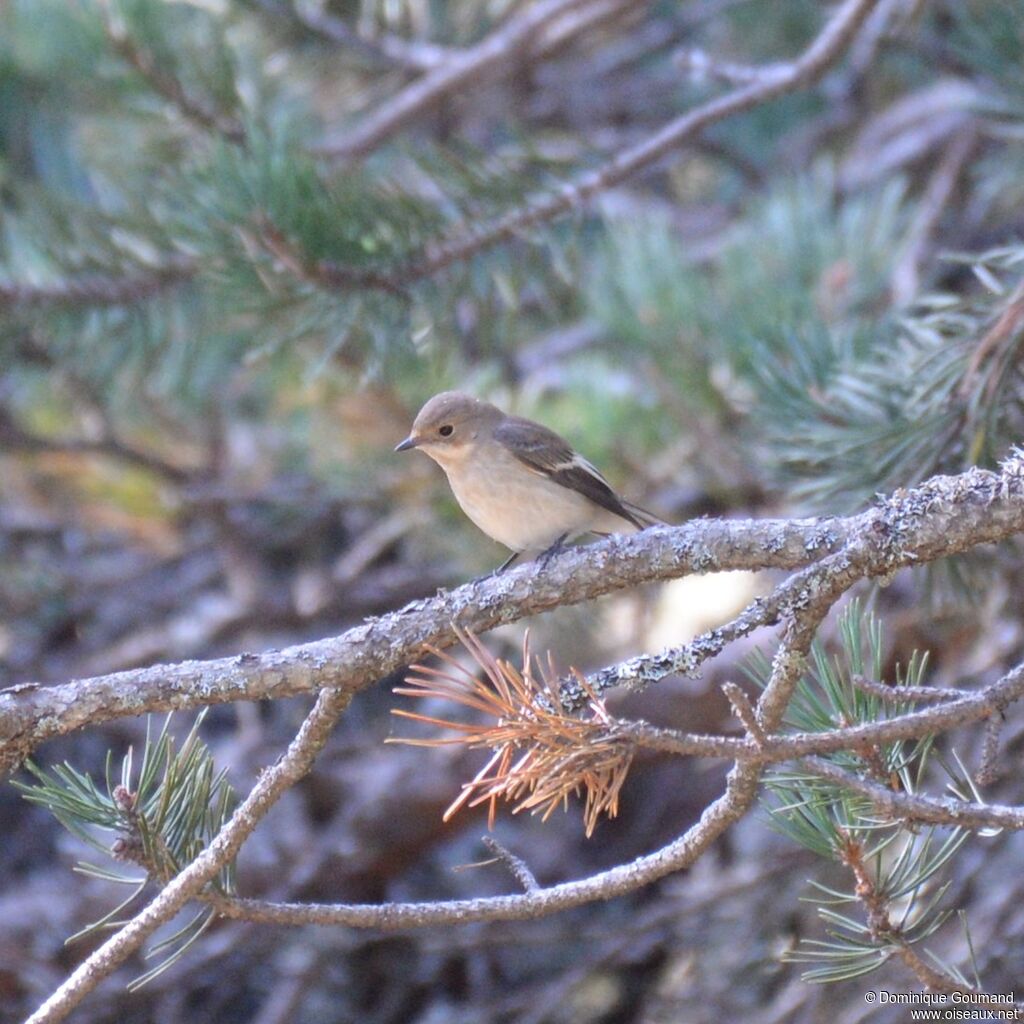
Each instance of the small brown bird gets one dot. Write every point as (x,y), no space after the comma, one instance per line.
(521,483)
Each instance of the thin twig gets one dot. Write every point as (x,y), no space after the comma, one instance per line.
(273,783)
(1003,333)
(907,694)
(517,867)
(906,276)
(972,707)
(896,805)
(744,711)
(166,84)
(823,52)
(97,289)
(462,70)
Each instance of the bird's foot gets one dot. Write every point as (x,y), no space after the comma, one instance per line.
(508,563)
(545,556)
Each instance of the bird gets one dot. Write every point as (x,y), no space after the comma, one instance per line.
(518,481)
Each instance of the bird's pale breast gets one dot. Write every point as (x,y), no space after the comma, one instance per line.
(518,507)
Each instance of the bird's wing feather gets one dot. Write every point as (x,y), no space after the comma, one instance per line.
(544,452)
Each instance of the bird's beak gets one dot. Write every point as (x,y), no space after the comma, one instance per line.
(407,444)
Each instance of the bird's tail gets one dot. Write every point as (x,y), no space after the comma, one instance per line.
(641,516)
(637,517)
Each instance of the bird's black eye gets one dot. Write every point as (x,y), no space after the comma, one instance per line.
(446,430)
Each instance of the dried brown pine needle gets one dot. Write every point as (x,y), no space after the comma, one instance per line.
(541,755)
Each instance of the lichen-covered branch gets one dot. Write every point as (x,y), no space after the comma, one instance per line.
(897,805)
(273,783)
(944,516)
(965,708)
(31,713)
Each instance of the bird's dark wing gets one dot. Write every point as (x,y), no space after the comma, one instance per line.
(544,452)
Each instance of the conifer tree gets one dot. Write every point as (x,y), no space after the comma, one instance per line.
(759,259)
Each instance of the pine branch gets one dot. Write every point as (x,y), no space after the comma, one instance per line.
(411,54)
(15,439)
(98,289)
(895,805)
(823,52)
(165,83)
(435,257)
(885,931)
(294,764)
(944,516)
(460,71)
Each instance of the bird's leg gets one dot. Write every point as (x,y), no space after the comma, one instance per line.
(504,565)
(545,556)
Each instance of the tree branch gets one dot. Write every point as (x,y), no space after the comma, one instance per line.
(915,807)
(14,438)
(902,694)
(943,516)
(969,708)
(359,657)
(97,289)
(458,72)
(824,51)
(189,883)
(733,804)
(166,84)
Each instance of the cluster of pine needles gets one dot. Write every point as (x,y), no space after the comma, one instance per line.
(542,756)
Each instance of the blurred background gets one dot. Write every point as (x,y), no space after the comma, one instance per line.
(220,308)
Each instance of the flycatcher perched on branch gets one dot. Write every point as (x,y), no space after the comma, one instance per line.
(521,483)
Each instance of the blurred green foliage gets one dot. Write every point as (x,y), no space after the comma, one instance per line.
(775,333)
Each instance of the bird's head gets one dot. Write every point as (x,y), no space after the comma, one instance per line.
(449,425)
